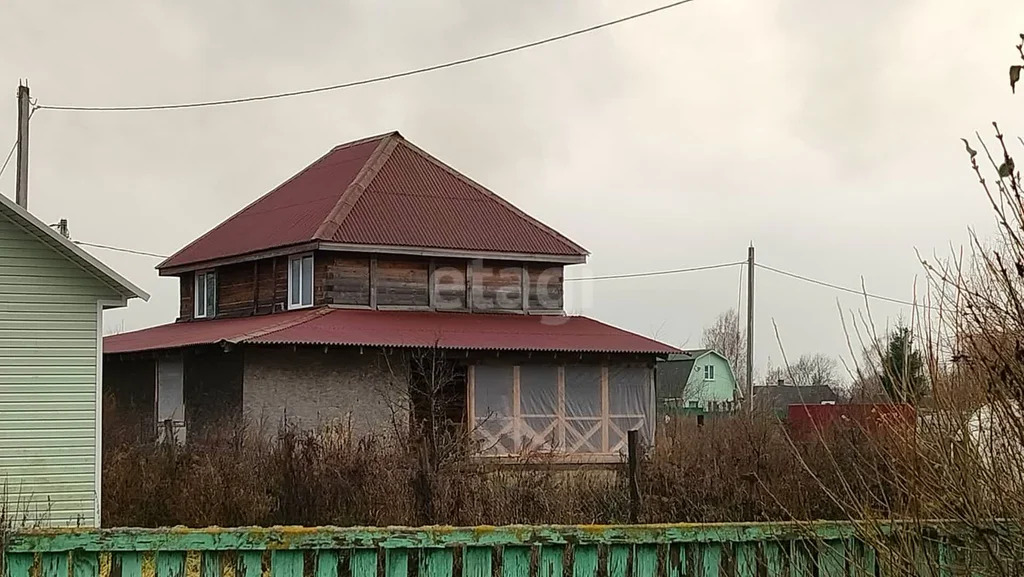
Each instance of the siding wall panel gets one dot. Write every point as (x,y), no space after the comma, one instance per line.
(48,333)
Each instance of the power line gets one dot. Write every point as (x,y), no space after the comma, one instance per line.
(841,288)
(17,140)
(656,273)
(591,278)
(634,275)
(119,249)
(8,159)
(375,79)
(739,296)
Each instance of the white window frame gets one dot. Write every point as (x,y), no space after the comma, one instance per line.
(295,301)
(201,313)
(709,372)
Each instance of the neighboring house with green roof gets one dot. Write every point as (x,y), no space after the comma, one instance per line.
(52,298)
(700,380)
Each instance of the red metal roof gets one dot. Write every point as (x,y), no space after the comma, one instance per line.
(378,191)
(289,214)
(347,327)
(176,335)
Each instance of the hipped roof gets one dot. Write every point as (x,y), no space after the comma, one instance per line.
(378,191)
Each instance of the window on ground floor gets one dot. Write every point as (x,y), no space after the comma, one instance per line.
(170,399)
(570,409)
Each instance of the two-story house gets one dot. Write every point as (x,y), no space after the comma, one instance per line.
(325,299)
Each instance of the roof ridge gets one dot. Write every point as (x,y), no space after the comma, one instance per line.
(364,140)
(237,213)
(285,324)
(355,189)
(493,195)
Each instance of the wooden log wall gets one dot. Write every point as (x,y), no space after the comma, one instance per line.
(261,287)
(449,285)
(187,287)
(497,286)
(545,287)
(272,285)
(402,282)
(341,279)
(236,289)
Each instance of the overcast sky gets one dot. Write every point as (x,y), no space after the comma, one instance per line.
(826,133)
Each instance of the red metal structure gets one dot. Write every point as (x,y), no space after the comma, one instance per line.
(808,420)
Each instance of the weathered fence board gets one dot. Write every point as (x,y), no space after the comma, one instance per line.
(725,550)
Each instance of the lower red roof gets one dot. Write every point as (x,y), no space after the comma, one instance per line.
(346,327)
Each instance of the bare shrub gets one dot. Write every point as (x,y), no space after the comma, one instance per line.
(732,469)
(959,475)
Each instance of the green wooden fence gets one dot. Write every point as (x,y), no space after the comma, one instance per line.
(748,550)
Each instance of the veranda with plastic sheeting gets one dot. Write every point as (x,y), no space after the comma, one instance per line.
(575,411)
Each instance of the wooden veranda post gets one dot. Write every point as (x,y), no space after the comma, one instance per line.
(633,456)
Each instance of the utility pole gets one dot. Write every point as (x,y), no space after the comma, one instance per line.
(750,325)
(24,111)
(62,228)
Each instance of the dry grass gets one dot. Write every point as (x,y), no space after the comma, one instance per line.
(732,469)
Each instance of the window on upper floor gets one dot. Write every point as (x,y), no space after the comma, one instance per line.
(206,294)
(709,372)
(300,281)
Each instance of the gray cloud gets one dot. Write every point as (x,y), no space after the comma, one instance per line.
(824,133)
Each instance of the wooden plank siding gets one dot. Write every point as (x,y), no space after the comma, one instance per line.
(49,332)
(545,287)
(187,287)
(823,549)
(236,289)
(362,280)
(403,282)
(497,286)
(449,285)
(341,279)
(271,285)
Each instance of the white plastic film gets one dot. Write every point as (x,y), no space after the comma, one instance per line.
(630,398)
(580,415)
(492,409)
(538,403)
(583,415)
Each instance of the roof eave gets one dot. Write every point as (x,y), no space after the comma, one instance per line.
(77,255)
(370,249)
(256,341)
(453,253)
(273,252)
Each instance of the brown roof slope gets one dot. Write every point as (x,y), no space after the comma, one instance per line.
(378,191)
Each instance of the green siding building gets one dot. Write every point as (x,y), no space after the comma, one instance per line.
(696,381)
(52,297)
